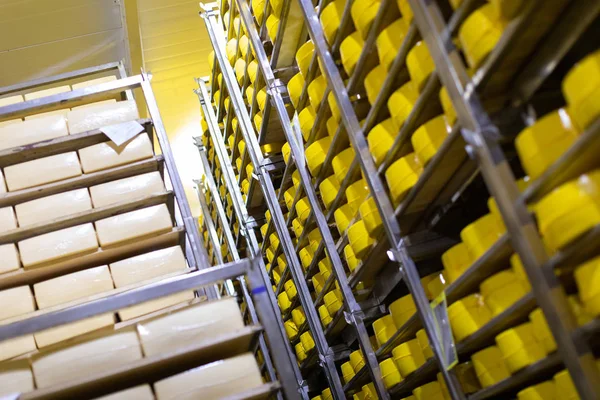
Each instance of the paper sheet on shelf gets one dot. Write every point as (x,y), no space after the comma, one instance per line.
(123,132)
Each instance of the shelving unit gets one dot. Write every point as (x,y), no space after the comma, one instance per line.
(201,276)
(476,158)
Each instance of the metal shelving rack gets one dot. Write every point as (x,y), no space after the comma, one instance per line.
(201,276)
(472,149)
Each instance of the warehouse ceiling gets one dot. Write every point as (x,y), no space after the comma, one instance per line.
(40,38)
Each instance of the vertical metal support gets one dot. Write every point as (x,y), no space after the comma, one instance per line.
(190,223)
(377,189)
(480,133)
(283,354)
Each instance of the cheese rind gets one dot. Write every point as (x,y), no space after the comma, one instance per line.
(47,92)
(62,113)
(133,225)
(84,359)
(68,331)
(11,122)
(32,131)
(16,347)
(128,189)
(97,103)
(16,301)
(142,392)
(9,256)
(52,207)
(93,82)
(73,286)
(108,155)
(104,114)
(15,377)
(148,266)
(212,381)
(41,171)
(58,245)
(189,326)
(155,305)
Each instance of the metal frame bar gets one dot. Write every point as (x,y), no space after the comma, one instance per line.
(275,327)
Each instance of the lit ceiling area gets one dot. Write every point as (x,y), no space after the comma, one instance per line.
(175,49)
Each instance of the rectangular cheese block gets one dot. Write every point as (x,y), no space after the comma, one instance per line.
(85,359)
(148,266)
(62,113)
(15,347)
(7,219)
(108,155)
(73,286)
(16,301)
(10,258)
(53,207)
(155,305)
(33,131)
(93,82)
(68,331)
(47,92)
(212,381)
(99,115)
(191,325)
(128,189)
(7,101)
(16,377)
(41,171)
(134,225)
(58,245)
(143,392)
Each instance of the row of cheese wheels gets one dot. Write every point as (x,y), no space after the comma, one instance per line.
(148,339)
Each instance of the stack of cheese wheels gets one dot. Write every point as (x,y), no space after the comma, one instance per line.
(59,261)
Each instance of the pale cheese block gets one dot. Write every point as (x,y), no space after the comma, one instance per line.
(15,347)
(143,392)
(93,82)
(61,333)
(41,171)
(7,101)
(62,113)
(212,381)
(16,377)
(97,103)
(134,225)
(11,122)
(16,301)
(155,305)
(148,266)
(7,219)
(85,359)
(53,207)
(128,189)
(47,92)
(191,325)
(73,286)
(58,245)
(9,258)
(95,117)
(108,155)
(33,131)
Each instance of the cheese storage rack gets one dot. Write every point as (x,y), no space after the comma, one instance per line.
(492,92)
(205,280)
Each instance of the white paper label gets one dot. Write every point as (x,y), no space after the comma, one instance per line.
(123,132)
